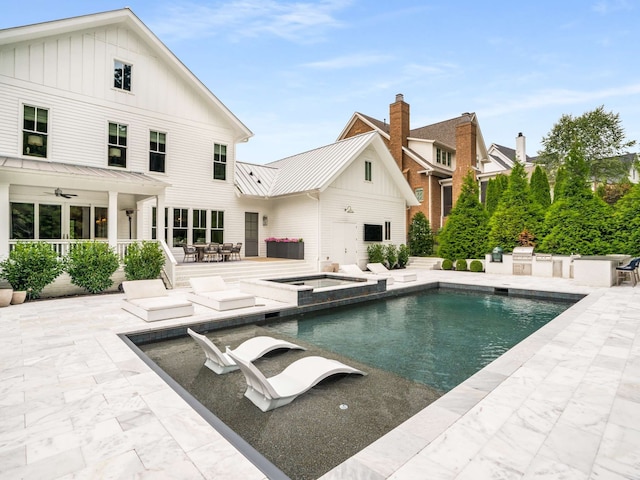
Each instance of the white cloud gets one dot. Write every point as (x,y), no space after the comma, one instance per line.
(609,6)
(349,61)
(294,21)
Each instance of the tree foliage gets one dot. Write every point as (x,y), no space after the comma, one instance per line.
(626,223)
(495,187)
(600,137)
(420,236)
(465,233)
(516,212)
(578,221)
(540,190)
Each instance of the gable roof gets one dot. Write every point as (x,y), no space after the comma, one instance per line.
(442,132)
(315,170)
(128,19)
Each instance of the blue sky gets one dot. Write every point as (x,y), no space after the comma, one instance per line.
(295,72)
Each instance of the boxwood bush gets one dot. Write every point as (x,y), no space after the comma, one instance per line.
(476,266)
(447,264)
(91,264)
(30,267)
(461,265)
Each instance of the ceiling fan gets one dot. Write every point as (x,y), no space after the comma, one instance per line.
(59,193)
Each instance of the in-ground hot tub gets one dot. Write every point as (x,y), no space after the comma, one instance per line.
(313,289)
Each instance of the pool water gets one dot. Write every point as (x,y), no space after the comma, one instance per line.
(438,338)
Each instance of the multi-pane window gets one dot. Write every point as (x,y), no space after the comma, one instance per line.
(219,162)
(419,194)
(217,226)
(157,151)
(117,145)
(22,221)
(180,224)
(199,226)
(50,222)
(122,75)
(34,131)
(447,200)
(367,171)
(387,230)
(443,157)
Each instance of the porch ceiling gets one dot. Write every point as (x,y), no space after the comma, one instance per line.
(38,173)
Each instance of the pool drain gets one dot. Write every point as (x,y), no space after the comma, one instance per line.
(343,406)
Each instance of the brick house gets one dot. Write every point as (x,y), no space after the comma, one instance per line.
(433,159)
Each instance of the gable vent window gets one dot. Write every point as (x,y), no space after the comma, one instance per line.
(367,171)
(121,75)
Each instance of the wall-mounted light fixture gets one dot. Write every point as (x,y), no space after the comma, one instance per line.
(265,220)
(349,209)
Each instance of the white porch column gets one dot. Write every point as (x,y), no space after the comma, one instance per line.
(5,223)
(112,220)
(160,217)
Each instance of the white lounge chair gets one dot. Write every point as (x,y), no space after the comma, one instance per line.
(285,387)
(149,300)
(353,269)
(251,349)
(212,292)
(398,275)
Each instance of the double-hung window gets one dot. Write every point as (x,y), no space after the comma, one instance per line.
(121,75)
(217,226)
(157,151)
(199,226)
(35,128)
(117,145)
(367,171)
(219,162)
(180,226)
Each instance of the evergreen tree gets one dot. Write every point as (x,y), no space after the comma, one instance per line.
(516,212)
(495,188)
(626,223)
(465,233)
(561,176)
(540,190)
(420,236)
(578,221)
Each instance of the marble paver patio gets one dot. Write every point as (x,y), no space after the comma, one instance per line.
(76,402)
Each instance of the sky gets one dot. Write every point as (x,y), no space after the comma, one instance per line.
(294,72)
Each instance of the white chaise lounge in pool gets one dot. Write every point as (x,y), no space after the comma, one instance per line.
(353,269)
(251,350)
(285,387)
(212,292)
(398,275)
(150,300)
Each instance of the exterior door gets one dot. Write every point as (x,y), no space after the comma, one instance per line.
(344,243)
(250,234)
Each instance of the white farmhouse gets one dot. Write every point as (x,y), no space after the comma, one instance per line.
(101,127)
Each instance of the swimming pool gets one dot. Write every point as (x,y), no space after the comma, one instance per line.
(438,338)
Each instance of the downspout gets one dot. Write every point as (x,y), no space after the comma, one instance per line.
(317,231)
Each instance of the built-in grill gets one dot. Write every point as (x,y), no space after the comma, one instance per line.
(522,260)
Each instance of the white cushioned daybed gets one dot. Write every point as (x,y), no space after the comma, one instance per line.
(212,292)
(398,275)
(150,300)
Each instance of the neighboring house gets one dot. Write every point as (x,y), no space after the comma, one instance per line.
(332,197)
(433,159)
(102,127)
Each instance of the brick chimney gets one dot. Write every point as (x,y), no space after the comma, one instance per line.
(521,148)
(466,154)
(398,128)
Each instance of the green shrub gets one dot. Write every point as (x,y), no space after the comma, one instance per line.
(476,266)
(461,265)
(91,264)
(420,236)
(31,266)
(391,255)
(447,264)
(403,256)
(376,253)
(143,261)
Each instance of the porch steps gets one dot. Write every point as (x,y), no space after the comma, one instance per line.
(424,263)
(234,271)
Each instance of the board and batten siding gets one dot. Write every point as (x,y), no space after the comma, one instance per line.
(294,217)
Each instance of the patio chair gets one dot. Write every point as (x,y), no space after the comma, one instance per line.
(398,275)
(225,251)
(190,252)
(251,350)
(235,251)
(211,253)
(285,387)
(150,300)
(630,269)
